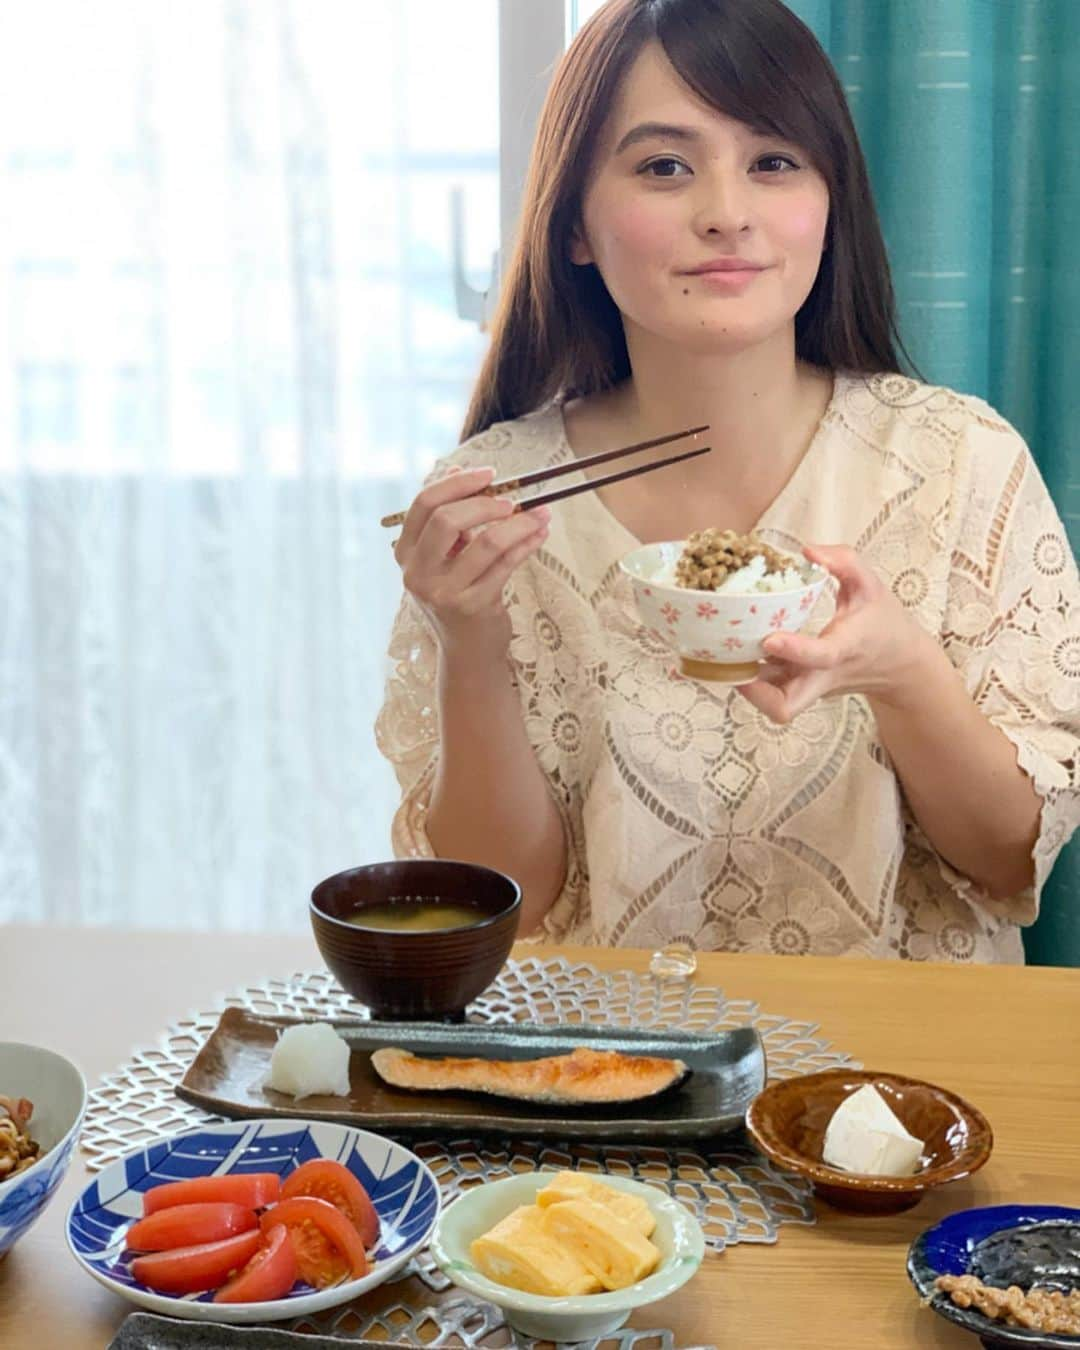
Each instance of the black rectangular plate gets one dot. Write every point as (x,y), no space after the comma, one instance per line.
(228,1075)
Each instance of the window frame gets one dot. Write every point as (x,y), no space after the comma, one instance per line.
(532,37)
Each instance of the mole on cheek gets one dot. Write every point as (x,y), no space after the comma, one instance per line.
(686,290)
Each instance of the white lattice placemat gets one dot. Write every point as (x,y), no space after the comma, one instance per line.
(735,1193)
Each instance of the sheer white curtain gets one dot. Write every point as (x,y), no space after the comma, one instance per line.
(228,346)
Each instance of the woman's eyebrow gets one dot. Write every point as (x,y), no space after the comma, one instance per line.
(647,131)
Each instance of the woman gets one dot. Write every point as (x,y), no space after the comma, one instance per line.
(698,245)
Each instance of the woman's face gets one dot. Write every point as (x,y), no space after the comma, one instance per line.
(707,233)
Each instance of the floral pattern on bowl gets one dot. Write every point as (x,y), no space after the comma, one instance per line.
(710,630)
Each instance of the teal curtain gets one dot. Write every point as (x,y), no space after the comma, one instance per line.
(969,114)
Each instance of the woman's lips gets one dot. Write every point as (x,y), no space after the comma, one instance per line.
(727,279)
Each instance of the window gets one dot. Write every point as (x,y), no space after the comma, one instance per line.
(233,203)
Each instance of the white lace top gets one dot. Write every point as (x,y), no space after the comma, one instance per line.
(689,814)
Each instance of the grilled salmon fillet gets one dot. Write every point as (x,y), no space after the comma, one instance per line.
(582,1077)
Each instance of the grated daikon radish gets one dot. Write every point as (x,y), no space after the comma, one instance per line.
(309,1060)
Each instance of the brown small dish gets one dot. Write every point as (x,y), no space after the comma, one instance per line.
(787,1122)
(428,975)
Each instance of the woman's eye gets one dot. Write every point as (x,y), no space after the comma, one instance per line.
(665,167)
(775,164)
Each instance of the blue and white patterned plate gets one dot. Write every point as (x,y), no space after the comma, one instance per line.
(402,1188)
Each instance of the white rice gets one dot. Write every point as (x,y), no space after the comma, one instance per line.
(752,578)
(748,580)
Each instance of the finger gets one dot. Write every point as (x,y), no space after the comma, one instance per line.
(769,699)
(804,652)
(773,671)
(787,697)
(804,691)
(465,537)
(536,513)
(488,588)
(439,539)
(451,487)
(488,547)
(846,566)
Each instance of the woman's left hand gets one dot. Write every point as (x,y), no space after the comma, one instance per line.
(872,646)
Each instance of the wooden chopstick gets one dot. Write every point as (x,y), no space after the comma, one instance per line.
(557,470)
(591,484)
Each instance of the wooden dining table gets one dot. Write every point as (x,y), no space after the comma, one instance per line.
(1005,1038)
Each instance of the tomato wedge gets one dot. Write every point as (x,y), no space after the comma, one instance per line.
(189,1225)
(270,1273)
(327,1246)
(186,1270)
(254,1190)
(329,1180)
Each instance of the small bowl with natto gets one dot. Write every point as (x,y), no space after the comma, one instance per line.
(416,974)
(717,636)
(56,1090)
(1026,1247)
(787,1122)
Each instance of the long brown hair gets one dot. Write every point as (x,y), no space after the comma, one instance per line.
(557,331)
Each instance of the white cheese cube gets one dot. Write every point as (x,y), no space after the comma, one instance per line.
(865,1136)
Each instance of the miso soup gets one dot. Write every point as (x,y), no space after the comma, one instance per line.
(416,916)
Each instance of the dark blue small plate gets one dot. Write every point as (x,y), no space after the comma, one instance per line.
(1002,1245)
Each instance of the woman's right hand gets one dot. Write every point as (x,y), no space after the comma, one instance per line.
(457,550)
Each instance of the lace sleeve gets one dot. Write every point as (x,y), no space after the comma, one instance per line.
(1012,628)
(407,727)
(407,733)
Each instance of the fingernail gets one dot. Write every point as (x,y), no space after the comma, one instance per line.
(541,513)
